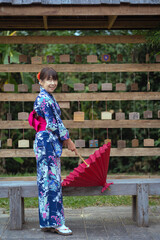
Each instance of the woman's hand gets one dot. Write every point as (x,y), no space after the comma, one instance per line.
(71,146)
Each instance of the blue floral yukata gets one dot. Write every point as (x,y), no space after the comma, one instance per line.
(48,149)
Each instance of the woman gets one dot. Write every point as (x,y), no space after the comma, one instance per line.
(50,137)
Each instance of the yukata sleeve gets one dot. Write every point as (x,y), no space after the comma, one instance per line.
(54,122)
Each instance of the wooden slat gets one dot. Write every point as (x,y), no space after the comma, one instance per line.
(71,39)
(119,187)
(83,10)
(95,96)
(129,67)
(85,152)
(89,124)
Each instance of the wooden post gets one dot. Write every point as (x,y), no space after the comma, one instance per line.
(16,213)
(134,200)
(142,205)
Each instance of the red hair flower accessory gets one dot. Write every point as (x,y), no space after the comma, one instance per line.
(38,76)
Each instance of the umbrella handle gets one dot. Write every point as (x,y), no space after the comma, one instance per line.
(83,159)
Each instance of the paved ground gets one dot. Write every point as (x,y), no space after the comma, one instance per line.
(94,223)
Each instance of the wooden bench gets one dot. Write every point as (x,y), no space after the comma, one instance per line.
(139,189)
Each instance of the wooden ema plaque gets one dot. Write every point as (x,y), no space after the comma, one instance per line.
(134,87)
(120,116)
(9,142)
(22,88)
(93,143)
(50,59)
(106,58)
(135,142)
(79,87)
(120,87)
(78,116)
(78,58)
(158,113)
(119,58)
(8,87)
(23,143)
(148,142)
(147,114)
(35,87)
(23,115)
(64,104)
(93,87)
(64,87)
(134,116)
(23,58)
(106,115)
(80,143)
(9,116)
(64,58)
(121,143)
(106,87)
(92,58)
(158,58)
(107,140)
(147,57)
(36,60)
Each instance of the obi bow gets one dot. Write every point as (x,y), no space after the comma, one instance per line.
(38,123)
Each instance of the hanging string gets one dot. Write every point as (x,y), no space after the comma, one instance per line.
(9,133)
(92,76)
(78,105)
(135,133)
(134,77)
(106,78)
(119,105)
(92,118)
(120,75)
(121,133)
(148,82)
(148,133)
(23,133)
(147,104)
(23,106)
(9,107)
(107,133)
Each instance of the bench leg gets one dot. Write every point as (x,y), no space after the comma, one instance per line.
(142,205)
(134,201)
(15,208)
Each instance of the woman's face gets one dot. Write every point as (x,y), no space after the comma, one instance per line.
(49,84)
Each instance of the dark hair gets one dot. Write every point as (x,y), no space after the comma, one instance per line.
(47,73)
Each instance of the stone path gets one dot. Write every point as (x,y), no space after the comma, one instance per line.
(91,223)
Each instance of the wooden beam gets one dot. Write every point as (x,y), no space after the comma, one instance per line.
(83,10)
(59,24)
(104,67)
(85,152)
(111,21)
(72,39)
(87,22)
(89,124)
(45,22)
(71,97)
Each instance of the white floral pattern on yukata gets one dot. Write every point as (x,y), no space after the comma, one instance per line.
(48,149)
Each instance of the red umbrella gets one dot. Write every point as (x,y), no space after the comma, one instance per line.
(93,172)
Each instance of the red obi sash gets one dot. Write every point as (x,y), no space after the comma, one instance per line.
(38,123)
